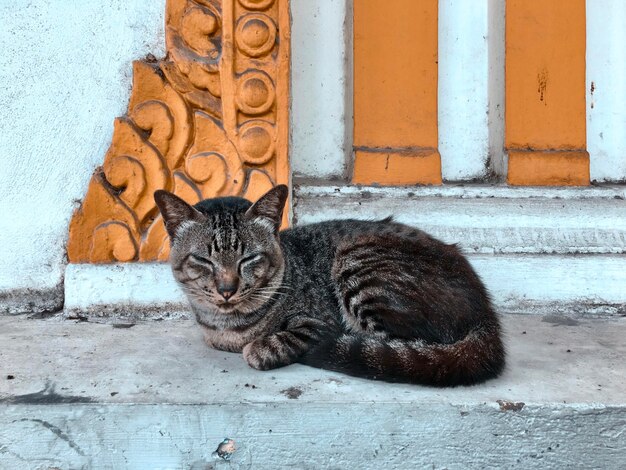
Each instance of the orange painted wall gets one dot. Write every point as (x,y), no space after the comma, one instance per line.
(545,92)
(395,92)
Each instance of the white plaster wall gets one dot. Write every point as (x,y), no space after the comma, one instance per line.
(321,92)
(463,89)
(496,39)
(117,287)
(65,73)
(471,89)
(606,99)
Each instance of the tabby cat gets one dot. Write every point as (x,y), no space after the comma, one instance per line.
(374,299)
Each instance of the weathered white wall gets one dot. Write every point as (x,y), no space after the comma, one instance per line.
(463,89)
(65,73)
(471,89)
(496,40)
(321,113)
(606,89)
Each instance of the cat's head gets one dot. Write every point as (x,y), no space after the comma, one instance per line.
(225,252)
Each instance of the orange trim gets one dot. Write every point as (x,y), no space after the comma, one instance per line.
(395,86)
(397,168)
(537,168)
(545,90)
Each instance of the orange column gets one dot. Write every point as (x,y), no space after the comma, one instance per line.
(545,92)
(395,92)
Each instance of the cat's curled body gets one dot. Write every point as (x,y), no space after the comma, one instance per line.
(374,299)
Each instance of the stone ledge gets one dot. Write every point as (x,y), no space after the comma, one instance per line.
(130,291)
(576,233)
(40,301)
(152,395)
(528,283)
(306,187)
(483,219)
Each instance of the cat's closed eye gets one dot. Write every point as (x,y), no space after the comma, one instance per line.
(254,261)
(251,259)
(202,261)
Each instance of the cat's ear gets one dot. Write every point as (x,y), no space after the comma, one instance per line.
(270,206)
(175,211)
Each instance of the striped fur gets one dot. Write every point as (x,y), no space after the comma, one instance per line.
(473,359)
(374,299)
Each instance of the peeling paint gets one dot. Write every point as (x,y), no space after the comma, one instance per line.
(510,406)
(542,84)
(342,435)
(225,450)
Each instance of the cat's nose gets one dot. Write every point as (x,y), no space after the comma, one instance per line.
(227,294)
(227,289)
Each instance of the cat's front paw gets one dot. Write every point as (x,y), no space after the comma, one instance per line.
(258,356)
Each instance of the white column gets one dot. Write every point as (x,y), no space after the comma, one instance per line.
(498,162)
(606,89)
(320,87)
(463,94)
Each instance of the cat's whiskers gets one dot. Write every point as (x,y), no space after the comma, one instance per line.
(261,297)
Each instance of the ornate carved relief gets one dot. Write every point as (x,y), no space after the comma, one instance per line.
(210,119)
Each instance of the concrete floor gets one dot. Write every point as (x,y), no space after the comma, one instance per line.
(152,395)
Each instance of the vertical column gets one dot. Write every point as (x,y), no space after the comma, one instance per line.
(395,92)
(497,53)
(606,89)
(318,80)
(463,95)
(545,92)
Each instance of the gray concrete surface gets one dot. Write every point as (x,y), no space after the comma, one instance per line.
(151,395)
(538,250)
(483,219)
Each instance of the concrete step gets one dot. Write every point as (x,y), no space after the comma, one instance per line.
(539,250)
(151,395)
(484,219)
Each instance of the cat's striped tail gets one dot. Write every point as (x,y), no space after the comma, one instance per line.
(476,358)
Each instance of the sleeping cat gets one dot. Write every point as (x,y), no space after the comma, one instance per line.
(374,299)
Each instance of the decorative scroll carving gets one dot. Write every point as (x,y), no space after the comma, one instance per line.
(210,119)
